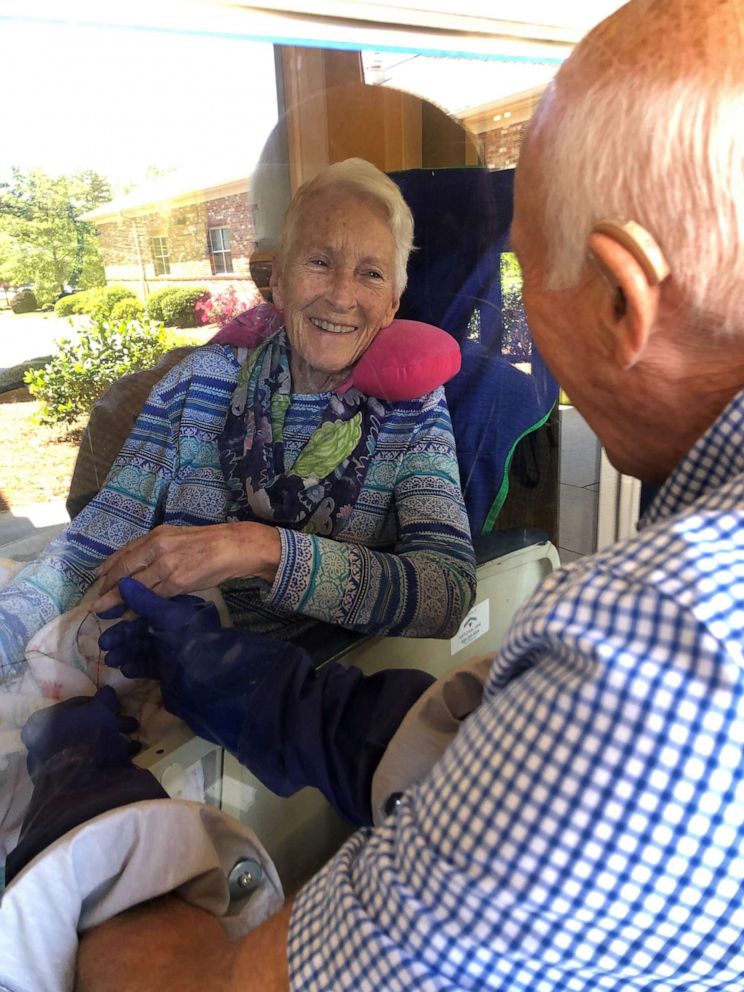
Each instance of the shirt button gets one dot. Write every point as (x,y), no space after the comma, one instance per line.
(392,802)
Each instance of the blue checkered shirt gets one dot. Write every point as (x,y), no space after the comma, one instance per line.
(585,830)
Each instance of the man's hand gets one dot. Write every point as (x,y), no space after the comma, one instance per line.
(150,646)
(208,675)
(83,721)
(80,761)
(168,945)
(263,699)
(172,560)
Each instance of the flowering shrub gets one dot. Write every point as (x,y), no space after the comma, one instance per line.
(221,308)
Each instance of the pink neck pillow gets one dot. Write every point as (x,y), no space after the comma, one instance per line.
(407,359)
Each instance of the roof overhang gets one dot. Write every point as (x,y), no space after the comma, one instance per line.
(139,203)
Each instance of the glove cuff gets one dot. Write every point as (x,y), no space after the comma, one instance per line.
(68,791)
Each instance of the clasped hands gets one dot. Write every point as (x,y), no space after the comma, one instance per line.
(173,560)
(207,674)
(80,750)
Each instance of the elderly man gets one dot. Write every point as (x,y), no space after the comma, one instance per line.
(583,830)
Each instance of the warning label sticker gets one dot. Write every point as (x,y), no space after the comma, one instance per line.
(475,624)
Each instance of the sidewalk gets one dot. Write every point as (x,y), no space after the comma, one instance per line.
(30,335)
(25,530)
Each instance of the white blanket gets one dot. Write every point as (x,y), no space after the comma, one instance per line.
(64,660)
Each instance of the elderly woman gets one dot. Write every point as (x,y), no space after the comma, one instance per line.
(259,475)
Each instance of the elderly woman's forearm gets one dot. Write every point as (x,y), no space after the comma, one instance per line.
(12,641)
(40,592)
(266,549)
(174,560)
(421,593)
(125,508)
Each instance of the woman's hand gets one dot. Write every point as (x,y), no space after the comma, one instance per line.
(172,560)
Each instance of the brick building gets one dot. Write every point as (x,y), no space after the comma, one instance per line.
(500,127)
(179,230)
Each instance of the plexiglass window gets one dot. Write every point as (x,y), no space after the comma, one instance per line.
(126,245)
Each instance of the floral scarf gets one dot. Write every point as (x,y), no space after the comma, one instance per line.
(318,493)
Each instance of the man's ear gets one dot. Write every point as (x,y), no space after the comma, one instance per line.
(275,283)
(630,306)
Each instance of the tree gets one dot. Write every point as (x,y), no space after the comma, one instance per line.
(516,338)
(6,259)
(44,241)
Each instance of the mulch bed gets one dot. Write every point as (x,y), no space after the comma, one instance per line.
(36,462)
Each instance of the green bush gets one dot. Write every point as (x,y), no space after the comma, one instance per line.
(73,304)
(177,337)
(24,301)
(82,369)
(97,303)
(103,299)
(179,308)
(154,304)
(176,307)
(128,309)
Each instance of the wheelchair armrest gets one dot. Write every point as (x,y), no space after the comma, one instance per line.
(324,642)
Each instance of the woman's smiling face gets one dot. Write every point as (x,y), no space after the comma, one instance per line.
(336,286)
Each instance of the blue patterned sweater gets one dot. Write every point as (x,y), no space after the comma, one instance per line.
(402,564)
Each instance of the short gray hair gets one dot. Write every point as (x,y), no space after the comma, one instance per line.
(663,147)
(356,175)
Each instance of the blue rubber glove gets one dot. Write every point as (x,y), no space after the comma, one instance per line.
(263,700)
(90,721)
(206,674)
(149,645)
(80,762)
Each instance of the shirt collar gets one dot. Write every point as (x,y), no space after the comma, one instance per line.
(713,460)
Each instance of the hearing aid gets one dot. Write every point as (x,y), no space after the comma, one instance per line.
(642,246)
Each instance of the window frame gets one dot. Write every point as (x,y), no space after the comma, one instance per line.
(160,254)
(225,254)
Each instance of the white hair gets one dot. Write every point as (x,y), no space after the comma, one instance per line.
(665,152)
(358,176)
